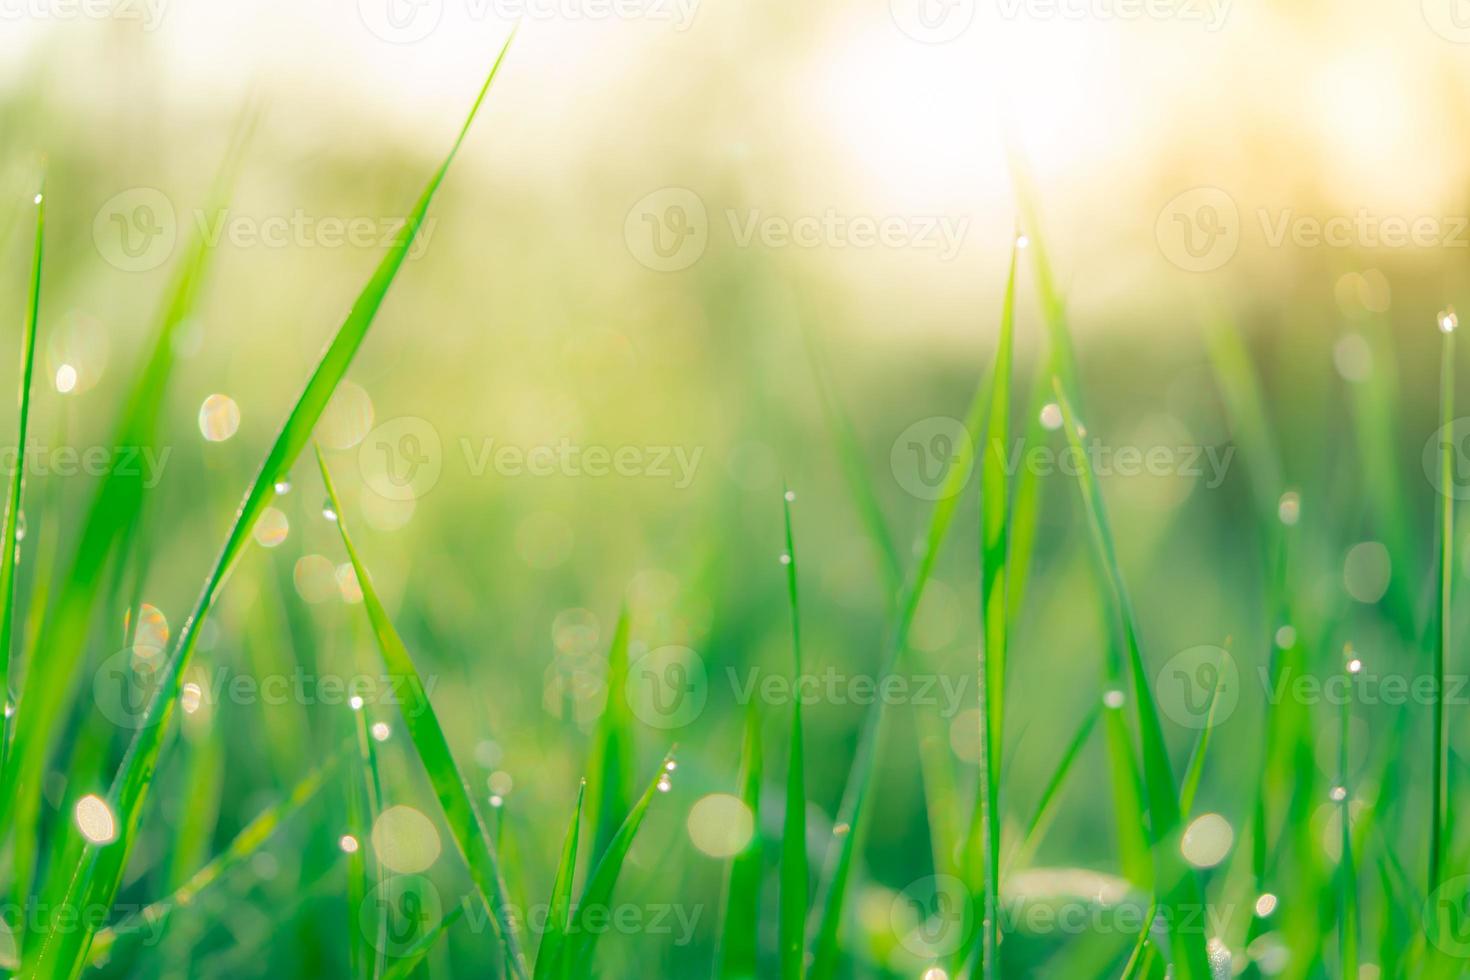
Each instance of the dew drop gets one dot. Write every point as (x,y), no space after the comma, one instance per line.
(665,783)
(785,559)
(1289,509)
(1022,241)
(66,378)
(1354,666)
(283,486)
(328,511)
(37,199)
(1051,416)
(381,731)
(1448,321)
(1286,637)
(1338,794)
(1265,904)
(355,702)
(496,800)
(1113,699)
(20,526)
(348,843)
(790,496)
(219,418)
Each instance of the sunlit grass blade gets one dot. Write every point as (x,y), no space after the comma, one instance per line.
(114,511)
(550,954)
(597,894)
(740,908)
(367,785)
(1347,917)
(994,616)
(792,929)
(8,531)
(405,966)
(1439,792)
(98,876)
(245,845)
(466,823)
(612,758)
(1178,885)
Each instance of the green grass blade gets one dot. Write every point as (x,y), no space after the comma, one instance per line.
(612,759)
(17,478)
(114,511)
(1347,923)
(98,877)
(550,961)
(466,823)
(1195,769)
(739,911)
(247,842)
(1180,886)
(1439,795)
(792,929)
(1046,805)
(597,894)
(994,616)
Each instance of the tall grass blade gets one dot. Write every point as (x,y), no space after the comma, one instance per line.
(550,962)
(792,928)
(466,823)
(597,894)
(1180,889)
(612,757)
(1046,805)
(994,616)
(1439,793)
(739,912)
(404,966)
(8,556)
(97,878)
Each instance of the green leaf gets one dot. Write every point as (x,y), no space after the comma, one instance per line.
(1439,791)
(550,955)
(100,872)
(466,823)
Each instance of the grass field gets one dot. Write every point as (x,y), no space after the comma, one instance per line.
(441,547)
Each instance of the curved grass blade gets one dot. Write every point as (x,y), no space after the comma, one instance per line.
(612,759)
(550,958)
(792,927)
(1179,886)
(1046,806)
(736,958)
(246,843)
(8,555)
(100,872)
(1195,769)
(466,823)
(599,889)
